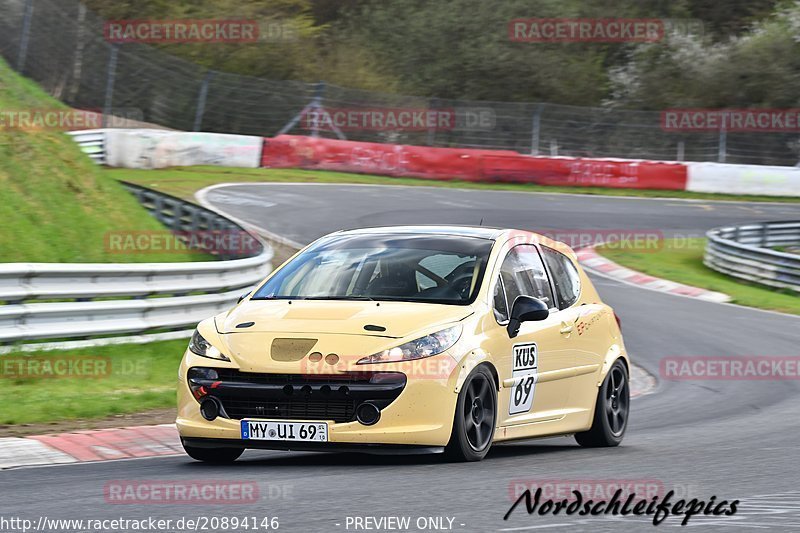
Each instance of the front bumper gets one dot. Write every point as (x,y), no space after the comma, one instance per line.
(375,449)
(421,415)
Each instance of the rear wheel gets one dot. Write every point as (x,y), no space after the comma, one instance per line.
(214,455)
(610,412)
(475,419)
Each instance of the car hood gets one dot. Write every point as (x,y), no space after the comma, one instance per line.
(400,319)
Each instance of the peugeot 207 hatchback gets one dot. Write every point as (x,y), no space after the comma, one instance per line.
(408,339)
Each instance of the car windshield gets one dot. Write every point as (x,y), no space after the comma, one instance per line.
(444,269)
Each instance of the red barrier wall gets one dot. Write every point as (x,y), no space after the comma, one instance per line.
(290,151)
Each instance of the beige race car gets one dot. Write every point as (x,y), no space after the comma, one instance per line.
(408,339)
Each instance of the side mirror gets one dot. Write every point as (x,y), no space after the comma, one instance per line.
(526,309)
(242,297)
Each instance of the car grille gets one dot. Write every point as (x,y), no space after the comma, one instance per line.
(297,396)
(338,410)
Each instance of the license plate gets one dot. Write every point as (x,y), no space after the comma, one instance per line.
(290,431)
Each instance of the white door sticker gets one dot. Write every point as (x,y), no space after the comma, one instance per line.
(525,373)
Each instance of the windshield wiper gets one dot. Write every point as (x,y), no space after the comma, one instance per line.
(363,298)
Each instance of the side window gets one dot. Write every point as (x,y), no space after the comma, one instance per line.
(523,274)
(500,305)
(565,277)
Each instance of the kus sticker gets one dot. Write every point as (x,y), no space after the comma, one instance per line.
(525,373)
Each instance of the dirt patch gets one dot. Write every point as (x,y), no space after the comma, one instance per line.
(147,418)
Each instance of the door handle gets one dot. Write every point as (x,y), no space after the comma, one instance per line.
(566,328)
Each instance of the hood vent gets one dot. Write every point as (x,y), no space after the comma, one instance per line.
(290,350)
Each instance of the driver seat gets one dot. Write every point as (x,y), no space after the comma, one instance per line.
(401,280)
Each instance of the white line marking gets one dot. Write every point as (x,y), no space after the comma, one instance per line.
(202,198)
(507,191)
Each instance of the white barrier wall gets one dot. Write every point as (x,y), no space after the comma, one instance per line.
(143,148)
(149,149)
(743,179)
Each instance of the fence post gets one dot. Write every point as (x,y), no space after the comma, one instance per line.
(535,130)
(681,149)
(431,138)
(25,37)
(723,145)
(110,80)
(319,96)
(201,100)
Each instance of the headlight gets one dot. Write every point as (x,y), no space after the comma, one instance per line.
(427,346)
(203,348)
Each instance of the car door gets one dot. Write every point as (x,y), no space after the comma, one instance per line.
(533,367)
(583,325)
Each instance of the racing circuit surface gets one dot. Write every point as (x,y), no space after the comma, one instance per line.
(732,439)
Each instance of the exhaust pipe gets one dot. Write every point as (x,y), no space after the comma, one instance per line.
(209,409)
(368,414)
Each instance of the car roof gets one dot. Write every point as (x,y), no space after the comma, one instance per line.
(481,232)
(457,231)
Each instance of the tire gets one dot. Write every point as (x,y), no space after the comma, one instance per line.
(214,455)
(611,410)
(475,418)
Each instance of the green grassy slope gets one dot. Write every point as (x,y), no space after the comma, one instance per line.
(55,204)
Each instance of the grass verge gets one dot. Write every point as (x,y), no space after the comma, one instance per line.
(681,260)
(185,181)
(103,381)
(55,204)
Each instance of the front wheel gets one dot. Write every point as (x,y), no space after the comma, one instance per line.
(475,419)
(214,455)
(610,412)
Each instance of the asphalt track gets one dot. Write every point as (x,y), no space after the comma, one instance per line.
(732,439)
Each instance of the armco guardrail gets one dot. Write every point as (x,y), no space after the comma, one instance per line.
(92,143)
(122,299)
(180,216)
(748,252)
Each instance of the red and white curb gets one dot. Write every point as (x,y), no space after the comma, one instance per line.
(642,383)
(90,445)
(28,452)
(602,266)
